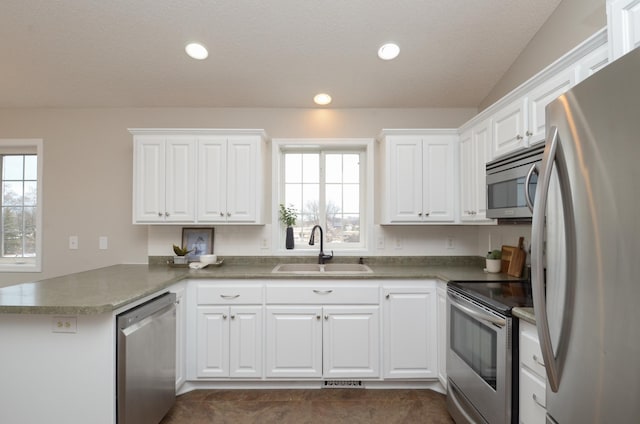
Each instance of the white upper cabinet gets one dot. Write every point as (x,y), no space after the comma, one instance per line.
(223,185)
(475,152)
(623,17)
(593,62)
(229,171)
(164,177)
(540,97)
(419,178)
(509,127)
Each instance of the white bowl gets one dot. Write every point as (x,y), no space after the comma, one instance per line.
(208,259)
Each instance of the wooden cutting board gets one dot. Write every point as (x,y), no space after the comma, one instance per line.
(507,255)
(518,256)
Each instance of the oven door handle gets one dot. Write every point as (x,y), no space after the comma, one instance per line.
(476,313)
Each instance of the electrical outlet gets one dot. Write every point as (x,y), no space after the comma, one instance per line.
(103,242)
(265,243)
(449,243)
(73,242)
(398,243)
(64,324)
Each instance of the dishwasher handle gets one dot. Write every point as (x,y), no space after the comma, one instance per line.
(145,310)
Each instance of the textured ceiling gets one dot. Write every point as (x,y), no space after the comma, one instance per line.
(262,53)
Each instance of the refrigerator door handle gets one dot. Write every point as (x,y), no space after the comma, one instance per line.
(537,265)
(527,193)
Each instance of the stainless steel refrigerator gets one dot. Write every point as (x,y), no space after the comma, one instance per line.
(586,249)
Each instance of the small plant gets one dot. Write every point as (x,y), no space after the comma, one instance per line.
(180,251)
(494,254)
(288,215)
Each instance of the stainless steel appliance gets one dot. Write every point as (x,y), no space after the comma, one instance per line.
(508,196)
(146,361)
(586,231)
(482,350)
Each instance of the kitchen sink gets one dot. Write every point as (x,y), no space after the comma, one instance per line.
(312,269)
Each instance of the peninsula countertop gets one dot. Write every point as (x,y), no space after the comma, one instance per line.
(105,290)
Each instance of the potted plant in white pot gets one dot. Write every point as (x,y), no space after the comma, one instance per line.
(494,261)
(181,255)
(288,217)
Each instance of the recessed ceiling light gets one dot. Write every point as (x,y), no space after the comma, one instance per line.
(197,51)
(388,51)
(322,99)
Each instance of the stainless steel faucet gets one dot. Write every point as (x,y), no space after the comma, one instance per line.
(322,256)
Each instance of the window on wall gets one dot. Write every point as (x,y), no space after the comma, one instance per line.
(326,187)
(20,171)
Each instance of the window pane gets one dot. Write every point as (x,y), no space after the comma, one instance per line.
(351,168)
(30,193)
(12,168)
(311,168)
(31,167)
(29,231)
(334,198)
(293,196)
(12,193)
(351,198)
(12,234)
(311,199)
(293,168)
(333,168)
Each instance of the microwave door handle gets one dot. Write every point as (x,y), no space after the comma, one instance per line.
(477,314)
(537,265)
(527,193)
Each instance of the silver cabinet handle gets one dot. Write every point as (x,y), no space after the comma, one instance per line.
(166,214)
(419,213)
(322,291)
(221,214)
(159,213)
(538,360)
(535,399)
(317,317)
(427,213)
(519,137)
(388,296)
(529,133)
(228,213)
(229,296)
(233,317)
(224,316)
(326,317)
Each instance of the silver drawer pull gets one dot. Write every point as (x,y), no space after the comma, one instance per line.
(538,360)
(535,399)
(322,291)
(229,296)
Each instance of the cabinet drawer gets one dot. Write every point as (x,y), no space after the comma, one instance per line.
(210,294)
(532,398)
(323,294)
(530,353)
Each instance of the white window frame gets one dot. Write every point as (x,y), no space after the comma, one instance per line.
(346,145)
(27,146)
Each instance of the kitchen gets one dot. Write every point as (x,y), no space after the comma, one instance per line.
(102,180)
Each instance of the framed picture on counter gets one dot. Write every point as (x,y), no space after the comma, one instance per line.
(198,240)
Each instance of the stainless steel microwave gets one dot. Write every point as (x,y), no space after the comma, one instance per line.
(511,184)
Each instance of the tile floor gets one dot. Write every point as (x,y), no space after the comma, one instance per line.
(309,406)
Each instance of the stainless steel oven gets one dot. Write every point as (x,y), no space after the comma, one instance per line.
(482,350)
(511,184)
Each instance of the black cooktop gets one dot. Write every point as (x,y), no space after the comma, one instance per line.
(500,296)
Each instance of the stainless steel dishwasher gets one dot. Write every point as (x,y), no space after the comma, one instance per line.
(146,361)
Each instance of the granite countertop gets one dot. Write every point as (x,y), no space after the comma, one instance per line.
(525,314)
(108,289)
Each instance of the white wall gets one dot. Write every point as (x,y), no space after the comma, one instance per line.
(88,157)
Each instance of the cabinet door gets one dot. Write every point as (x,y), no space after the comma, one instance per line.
(441,321)
(351,342)
(540,97)
(245,343)
(242,172)
(438,169)
(404,188)
(212,357)
(482,155)
(467,176)
(409,333)
(593,62)
(149,179)
(509,128)
(623,17)
(294,342)
(181,334)
(212,179)
(180,168)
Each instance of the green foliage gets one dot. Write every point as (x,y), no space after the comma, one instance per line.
(288,215)
(180,251)
(495,254)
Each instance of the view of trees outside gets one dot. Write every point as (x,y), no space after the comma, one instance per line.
(338,210)
(19,205)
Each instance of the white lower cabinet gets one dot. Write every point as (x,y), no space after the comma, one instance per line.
(322,330)
(441,321)
(532,377)
(229,334)
(410,331)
